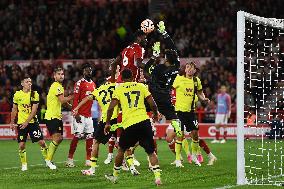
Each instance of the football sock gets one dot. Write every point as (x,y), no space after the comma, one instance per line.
(116,171)
(111,144)
(129,160)
(178,149)
(44,152)
(94,161)
(204,146)
(73,146)
(23,156)
(217,134)
(157,171)
(89,143)
(51,150)
(185,146)
(225,133)
(194,146)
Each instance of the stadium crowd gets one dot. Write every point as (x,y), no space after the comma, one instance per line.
(48,29)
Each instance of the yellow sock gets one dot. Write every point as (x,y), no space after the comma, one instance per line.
(44,152)
(94,161)
(178,149)
(129,160)
(51,150)
(194,146)
(23,156)
(157,171)
(185,146)
(116,171)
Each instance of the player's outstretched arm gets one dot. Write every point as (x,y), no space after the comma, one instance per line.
(113,103)
(113,67)
(13,116)
(86,99)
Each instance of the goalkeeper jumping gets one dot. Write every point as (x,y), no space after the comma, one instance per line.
(160,79)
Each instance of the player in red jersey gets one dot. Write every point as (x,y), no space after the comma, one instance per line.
(82,125)
(131,58)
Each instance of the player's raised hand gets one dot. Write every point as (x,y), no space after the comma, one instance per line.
(107,128)
(156,49)
(24,125)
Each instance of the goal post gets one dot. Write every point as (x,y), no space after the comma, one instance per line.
(260,158)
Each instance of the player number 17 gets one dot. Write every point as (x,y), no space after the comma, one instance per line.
(132,93)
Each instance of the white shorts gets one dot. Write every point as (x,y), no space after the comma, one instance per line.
(221,119)
(85,127)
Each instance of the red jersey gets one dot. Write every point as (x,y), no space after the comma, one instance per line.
(129,60)
(82,89)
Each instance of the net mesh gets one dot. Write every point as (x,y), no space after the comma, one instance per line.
(264,87)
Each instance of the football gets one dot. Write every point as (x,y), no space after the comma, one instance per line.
(147,26)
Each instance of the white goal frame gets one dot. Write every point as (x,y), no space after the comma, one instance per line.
(241,17)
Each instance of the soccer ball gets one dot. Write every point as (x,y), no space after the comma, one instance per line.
(147,26)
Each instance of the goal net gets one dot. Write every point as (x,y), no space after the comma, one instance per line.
(260,86)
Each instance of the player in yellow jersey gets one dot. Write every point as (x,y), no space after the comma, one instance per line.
(135,121)
(25,104)
(103,95)
(53,114)
(188,87)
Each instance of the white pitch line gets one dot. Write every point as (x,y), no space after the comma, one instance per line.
(34,165)
(226,187)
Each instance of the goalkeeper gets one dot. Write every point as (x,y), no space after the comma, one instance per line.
(160,78)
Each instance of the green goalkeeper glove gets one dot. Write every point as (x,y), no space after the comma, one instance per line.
(156,49)
(161,27)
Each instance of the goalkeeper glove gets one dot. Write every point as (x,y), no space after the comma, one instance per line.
(156,49)
(161,27)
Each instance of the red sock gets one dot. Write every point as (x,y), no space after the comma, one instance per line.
(172,146)
(225,133)
(155,144)
(217,134)
(204,146)
(111,144)
(73,146)
(89,143)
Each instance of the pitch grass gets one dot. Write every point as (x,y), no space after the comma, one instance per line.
(223,173)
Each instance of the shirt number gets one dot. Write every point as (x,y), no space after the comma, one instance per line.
(137,96)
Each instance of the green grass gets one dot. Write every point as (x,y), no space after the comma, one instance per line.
(223,173)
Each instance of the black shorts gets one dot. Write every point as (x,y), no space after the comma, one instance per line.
(33,130)
(54,126)
(140,132)
(165,105)
(100,135)
(188,121)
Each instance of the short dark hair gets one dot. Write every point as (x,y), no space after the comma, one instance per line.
(25,76)
(171,56)
(126,74)
(85,65)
